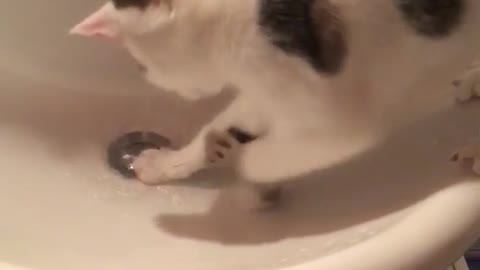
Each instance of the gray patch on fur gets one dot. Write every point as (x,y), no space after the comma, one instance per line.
(141,4)
(432,18)
(310,29)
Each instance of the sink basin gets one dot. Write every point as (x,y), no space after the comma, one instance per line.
(397,204)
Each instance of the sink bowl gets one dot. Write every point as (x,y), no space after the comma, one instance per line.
(397,204)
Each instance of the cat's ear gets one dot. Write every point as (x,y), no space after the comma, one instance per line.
(98,24)
(110,20)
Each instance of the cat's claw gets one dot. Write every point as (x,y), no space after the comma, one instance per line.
(468,85)
(468,155)
(157,166)
(220,148)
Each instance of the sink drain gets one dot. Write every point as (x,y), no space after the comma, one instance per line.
(122,152)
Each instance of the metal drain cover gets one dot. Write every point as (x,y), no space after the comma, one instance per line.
(123,150)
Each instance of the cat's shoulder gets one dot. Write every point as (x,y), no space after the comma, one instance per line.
(432,18)
(316,30)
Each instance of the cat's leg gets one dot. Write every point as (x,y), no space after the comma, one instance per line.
(212,145)
(468,87)
(221,147)
(469,156)
(269,160)
(257,197)
(468,84)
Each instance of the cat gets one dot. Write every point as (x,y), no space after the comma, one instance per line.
(301,68)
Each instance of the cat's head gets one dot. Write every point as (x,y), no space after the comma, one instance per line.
(173,39)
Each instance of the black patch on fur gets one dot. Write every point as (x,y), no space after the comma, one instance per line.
(141,4)
(273,195)
(433,18)
(310,29)
(241,136)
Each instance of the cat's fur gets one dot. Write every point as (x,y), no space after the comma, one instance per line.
(304,70)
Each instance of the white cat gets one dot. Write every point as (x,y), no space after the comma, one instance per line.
(306,72)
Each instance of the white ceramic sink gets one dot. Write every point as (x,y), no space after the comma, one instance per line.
(398,205)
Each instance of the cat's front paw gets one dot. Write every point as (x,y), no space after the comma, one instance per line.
(469,156)
(468,85)
(157,166)
(220,147)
